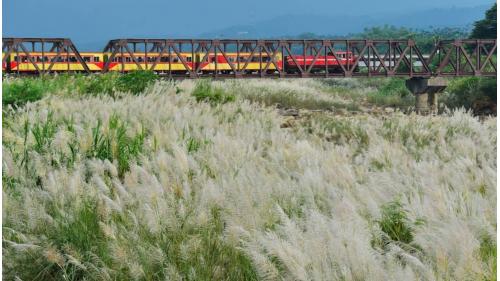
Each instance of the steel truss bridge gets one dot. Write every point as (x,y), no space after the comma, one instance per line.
(373,58)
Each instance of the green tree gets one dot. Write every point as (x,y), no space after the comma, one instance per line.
(487,27)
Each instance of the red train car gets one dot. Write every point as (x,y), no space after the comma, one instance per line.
(333,63)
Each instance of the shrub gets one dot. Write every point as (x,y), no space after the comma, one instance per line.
(488,248)
(136,81)
(393,92)
(100,84)
(395,224)
(205,92)
(212,252)
(193,145)
(22,91)
(44,133)
(116,144)
(396,228)
(471,93)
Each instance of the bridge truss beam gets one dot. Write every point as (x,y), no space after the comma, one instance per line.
(63,47)
(372,58)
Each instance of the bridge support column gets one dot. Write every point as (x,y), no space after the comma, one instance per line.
(426,92)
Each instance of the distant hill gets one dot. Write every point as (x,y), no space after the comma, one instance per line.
(288,25)
(294,24)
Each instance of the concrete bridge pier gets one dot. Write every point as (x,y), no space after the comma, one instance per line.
(426,92)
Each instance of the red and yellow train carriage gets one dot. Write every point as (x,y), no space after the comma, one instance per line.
(176,63)
(4,63)
(125,62)
(60,63)
(255,63)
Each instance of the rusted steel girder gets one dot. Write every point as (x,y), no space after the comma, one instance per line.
(231,58)
(372,58)
(468,57)
(27,46)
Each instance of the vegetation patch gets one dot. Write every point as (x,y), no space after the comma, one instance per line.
(395,224)
(159,187)
(206,92)
(475,93)
(21,91)
(116,144)
(135,81)
(392,92)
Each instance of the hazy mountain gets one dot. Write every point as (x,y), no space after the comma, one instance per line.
(90,23)
(294,24)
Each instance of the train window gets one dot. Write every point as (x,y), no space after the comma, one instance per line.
(86,59)
(265,59)
(96,59)
(176,59)
(189,59)
(128,59)
(231,59)
(164,59)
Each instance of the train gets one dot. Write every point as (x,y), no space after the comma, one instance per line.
(178,64)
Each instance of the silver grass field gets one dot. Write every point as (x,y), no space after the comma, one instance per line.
(164,185)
